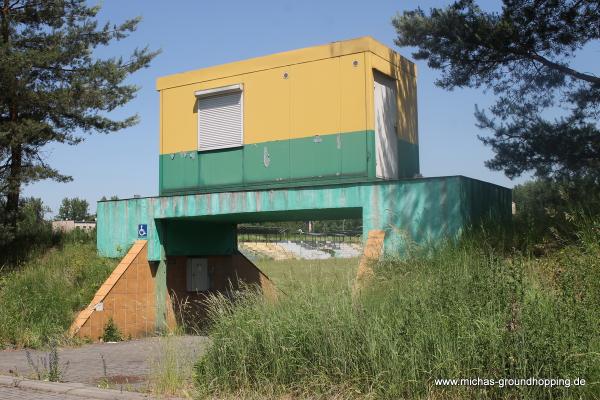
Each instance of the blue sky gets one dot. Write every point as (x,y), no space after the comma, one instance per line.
(195,34)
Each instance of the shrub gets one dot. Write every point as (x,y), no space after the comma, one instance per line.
(111,332)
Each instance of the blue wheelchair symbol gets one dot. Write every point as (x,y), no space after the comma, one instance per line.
(142,231)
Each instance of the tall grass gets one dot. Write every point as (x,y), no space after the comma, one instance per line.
(39,300)
(294,275)
(172,368)
(465,311)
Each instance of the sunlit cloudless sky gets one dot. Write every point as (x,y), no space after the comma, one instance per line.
(196,34)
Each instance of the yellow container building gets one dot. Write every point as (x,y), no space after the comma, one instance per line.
(340,112)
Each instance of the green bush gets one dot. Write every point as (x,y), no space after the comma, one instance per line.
(111,332)
(465,311)
(38,301)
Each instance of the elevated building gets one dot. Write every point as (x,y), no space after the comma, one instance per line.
(342,112)
(327,132)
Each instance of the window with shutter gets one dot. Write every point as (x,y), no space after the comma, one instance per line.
(220,118)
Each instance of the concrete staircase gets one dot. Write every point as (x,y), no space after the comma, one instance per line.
(269,250)
(304,252)
(301,250)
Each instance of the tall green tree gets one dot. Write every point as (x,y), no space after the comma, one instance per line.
(53,88)
(525,55)
(75,209)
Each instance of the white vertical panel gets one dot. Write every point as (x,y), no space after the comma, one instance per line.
(220,122)
(386,121)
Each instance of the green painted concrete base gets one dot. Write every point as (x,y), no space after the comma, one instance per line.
(415,210)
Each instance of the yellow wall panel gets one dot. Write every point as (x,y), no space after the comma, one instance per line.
(352,93)
(408,124)
(179,124)
(160,122)
(315,98)
(369,94)
(266,106)
(180,115)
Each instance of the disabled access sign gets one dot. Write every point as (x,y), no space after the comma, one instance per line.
(142,231)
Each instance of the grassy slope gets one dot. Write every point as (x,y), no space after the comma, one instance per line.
(463,312)
(38,302)
(293,275)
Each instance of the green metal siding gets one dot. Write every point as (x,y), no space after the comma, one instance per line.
(220,168)
(371,167)
(415,210)
(408,159)
(322,159)
(267,162)
(355,154)
(316,157)
(178,171)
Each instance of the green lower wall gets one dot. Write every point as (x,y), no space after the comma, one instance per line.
(324,159)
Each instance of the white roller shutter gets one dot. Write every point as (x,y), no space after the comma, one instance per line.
(220,118)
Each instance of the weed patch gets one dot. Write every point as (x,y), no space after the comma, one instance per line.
(39,300)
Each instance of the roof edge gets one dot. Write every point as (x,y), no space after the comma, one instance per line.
(290,57)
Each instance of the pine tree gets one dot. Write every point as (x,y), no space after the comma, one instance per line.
(53,88)
(526,55)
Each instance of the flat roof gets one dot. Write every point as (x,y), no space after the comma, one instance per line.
(334,49)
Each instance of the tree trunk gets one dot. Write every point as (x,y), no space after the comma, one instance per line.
(16,149)
(14,186)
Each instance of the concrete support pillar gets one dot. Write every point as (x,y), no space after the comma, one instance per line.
(160,281)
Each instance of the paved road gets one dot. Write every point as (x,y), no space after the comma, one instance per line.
(126,365)
(7,393)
